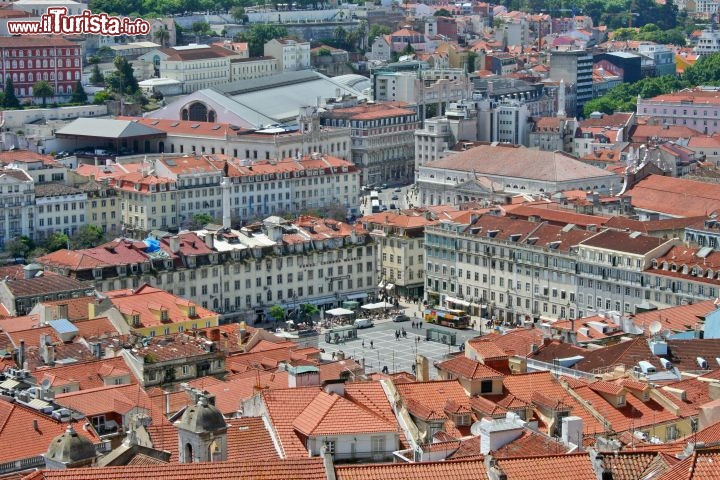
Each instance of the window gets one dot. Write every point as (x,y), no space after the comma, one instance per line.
(329,446)
(486,386)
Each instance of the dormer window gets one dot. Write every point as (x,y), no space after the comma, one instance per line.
(136,319)
(164,315)
(191,311)
(620,401)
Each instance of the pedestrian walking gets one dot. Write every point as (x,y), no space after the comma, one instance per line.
(371,344)
(363,343)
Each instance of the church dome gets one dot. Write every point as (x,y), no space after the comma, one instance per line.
(70,447)
(202,417)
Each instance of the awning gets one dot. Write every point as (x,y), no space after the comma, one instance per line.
(357,295)
(376,306)
(457,301)
(389,286)
(338,312)
(381,284)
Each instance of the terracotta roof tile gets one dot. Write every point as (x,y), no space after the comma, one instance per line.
(634,414)
(676,319)
(331,414)
(525,385)
(451,470)
(676,197)
(87,374)
(432,397)
(623,242)
(557,467)
(247,469)
(21,440)
(530,444)
(631,466)
(463,367)
(284,406)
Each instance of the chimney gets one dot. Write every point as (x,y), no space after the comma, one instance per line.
(714,390)
(422,368)
(572,432)
(48,354)
(174,244)
(21,354)
(215,334)
(36,427)
(303,376)
(210,240)
(495,434)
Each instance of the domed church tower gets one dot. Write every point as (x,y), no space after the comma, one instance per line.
(70,450)
(202,433)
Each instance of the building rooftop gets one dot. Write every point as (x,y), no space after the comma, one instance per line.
(675,197)
(518,162)
(624,242)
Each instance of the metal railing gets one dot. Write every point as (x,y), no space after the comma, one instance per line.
(558,370)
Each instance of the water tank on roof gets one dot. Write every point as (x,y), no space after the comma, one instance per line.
(153,245)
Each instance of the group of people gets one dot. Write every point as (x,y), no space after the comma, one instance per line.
(400,333)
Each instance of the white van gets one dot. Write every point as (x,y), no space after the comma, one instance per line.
(363,323)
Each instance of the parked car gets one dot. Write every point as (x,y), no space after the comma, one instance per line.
(393,206)
(363,323)
(394,197)
(398,190)
(401,318)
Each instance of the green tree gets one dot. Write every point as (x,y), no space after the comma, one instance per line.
(56,241)
(162,35)
(199,220)
(340,34)
(258,35)
(122,80)
(442,12)
(238,14)
(79,95)
(277,313)
(471,58)
(101,97)
(307,312)
(202,29)
(96,77)
(19,247)
(36,253)
(376,31)
(42,89)
(87,236)
(10,100)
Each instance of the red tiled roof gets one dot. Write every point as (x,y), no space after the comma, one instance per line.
(87,374)
(331,414)
(284,406)
(77,308)
(432,397)
(530,444)
(148,302)
(676,197)
(22,440)
(558,467)
(463,367)
(35,41)
(632,415)
(623,242)
(450,470)
(676,319)
(247,469)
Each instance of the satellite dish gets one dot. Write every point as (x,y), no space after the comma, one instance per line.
(475,429)
(46,384)
(655,327)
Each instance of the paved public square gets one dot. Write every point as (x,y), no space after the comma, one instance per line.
(397,355)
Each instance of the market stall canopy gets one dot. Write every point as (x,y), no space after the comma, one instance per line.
(339,312)
(376,306)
